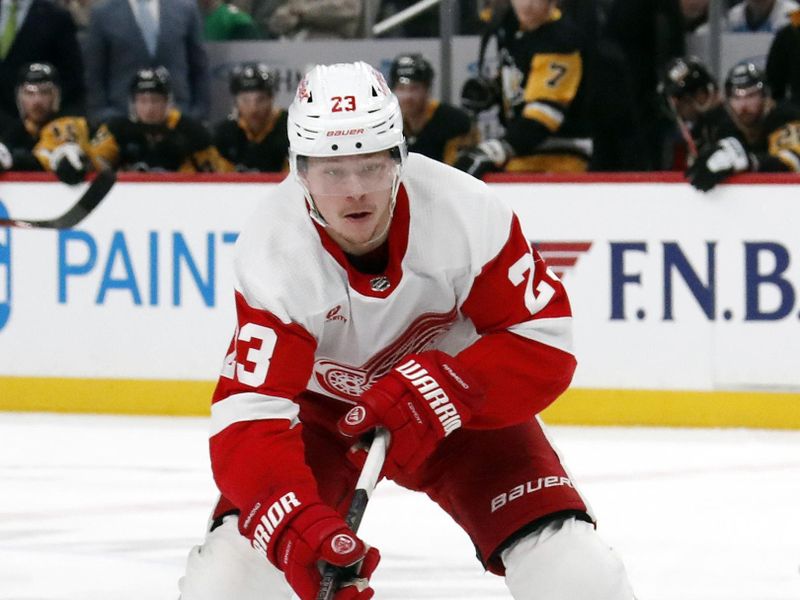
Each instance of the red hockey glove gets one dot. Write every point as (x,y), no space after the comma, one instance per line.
(421,401)
(313,534)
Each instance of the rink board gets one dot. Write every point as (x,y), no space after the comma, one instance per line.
(686,305)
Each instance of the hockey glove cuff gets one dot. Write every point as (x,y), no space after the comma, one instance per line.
(68,162)
(727,157)
(311,536)
(6,159)
(421,401)
(488,156)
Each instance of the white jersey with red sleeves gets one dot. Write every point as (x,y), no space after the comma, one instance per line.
(461,277)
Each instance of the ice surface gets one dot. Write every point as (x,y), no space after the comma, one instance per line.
(101,507)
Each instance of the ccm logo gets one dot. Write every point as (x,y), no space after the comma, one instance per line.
(340,132)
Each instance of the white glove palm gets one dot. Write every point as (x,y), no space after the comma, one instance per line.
(730,156)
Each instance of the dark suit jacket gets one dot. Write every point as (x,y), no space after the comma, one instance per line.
(114,50)
(47,35)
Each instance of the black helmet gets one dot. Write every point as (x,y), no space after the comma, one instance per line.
(38,72)
(410,67)
(250,77)
(685,76)
(745,76)
(151,80)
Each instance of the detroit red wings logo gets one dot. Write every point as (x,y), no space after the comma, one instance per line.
(561,256)
(350,382)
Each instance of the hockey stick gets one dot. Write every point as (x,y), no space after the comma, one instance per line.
(93,195)
(331,575)
(684,129)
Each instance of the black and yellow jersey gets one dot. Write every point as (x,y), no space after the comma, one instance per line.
(775,144)
(445,132)
(542,82)
(180,144)
(63,129)
(20,138)
(266,150)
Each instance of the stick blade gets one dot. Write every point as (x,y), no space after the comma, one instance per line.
(93,195)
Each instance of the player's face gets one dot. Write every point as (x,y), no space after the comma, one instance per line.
(150,108)
(748,106)
(412,96)
(532,14)
(37,102)
(353,194)
(690,106)
(254,107)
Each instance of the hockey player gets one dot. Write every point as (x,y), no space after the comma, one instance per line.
(253,138)
(750,132)
(542,89)
(44,139)
(436,129)
(156,137)
(689,91)
(375,288)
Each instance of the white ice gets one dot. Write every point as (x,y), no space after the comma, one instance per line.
(100,508)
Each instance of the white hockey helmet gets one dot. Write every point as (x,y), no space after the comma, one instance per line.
(340,110)
(344,109)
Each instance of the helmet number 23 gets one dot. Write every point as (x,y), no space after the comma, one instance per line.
(260,344)
(343,103)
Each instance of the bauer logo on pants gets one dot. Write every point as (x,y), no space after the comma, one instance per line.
(5,270)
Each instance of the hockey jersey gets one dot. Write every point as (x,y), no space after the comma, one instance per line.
(180,144)
(266,150)
(461,277)
(446,132)
(542,81)
(776,144)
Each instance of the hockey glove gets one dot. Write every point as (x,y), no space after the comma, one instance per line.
(479,94)
(421,401)
(6,159)
(69,163)
(312,534)
(719,162)
(486,157)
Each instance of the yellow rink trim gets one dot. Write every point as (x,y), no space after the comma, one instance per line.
(769,410)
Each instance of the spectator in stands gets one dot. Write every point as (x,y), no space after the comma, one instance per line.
(38,31)
(695,14)
(79,9)
(254,137)
(224,22)
(436,129)
(689,91)
(649,33)
(783,62)
(261,12)
(301,19)
(757,16)
(44,138)
(156,136)
(542,85)
(120,41)
(750,132)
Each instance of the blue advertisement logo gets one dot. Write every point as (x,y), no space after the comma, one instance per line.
(5,270)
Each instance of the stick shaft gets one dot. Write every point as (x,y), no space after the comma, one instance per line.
(367,480)
(93,195)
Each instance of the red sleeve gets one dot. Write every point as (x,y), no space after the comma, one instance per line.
(521,310)
(256,449)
